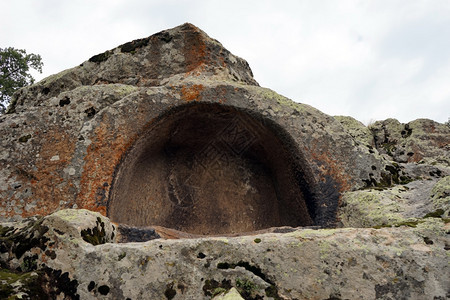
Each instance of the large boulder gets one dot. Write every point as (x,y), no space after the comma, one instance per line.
(398,205)
(75,261)
(421,140)
(151,132)
(161,170)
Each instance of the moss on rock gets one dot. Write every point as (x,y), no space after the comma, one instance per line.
(16,285)
(369,208)
(440,195)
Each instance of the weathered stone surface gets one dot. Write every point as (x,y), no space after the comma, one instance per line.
(172,139)
(397,205)
(413,141)
(161,59)
(357,130)
(440,195)
(387,263)
(144,132)
(232,294)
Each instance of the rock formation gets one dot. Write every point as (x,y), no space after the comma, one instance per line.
(227,187)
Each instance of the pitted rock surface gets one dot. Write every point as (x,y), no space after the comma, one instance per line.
(173,131)
(414,141)
(161,170)
(349,263)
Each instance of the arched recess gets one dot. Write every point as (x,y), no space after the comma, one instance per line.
(213,169)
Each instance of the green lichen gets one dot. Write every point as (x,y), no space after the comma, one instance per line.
(15,285)
(123,89)
(311,233)
(368,208)
(281,100)
(356,129)
(431,227)
(415,222)
(25,138)
(390,147)
(218,291)
(212,286)
(440,195)
(410,223)
(246,288)
(324,249)
(47,81)
(435,214)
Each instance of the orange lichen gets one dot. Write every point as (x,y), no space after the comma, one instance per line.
(331,167)
(104,154)
(192,92)
(417,156)
(195,51)
(102,157)
(222,94)
(45,180)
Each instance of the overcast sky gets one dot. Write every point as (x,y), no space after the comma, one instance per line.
(368,59)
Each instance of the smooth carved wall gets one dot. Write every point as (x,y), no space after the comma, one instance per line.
(211,169)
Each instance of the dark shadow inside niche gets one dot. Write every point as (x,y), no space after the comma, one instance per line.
(212,169)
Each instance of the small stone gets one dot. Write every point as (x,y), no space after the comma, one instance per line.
(232,294)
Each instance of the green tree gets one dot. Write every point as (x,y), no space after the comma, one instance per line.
(15,65)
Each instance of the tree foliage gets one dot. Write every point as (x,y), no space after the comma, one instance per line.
(15,65)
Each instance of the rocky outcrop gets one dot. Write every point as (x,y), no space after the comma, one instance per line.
(83,138)
(161,170)
(421,140)
(360,133)
(401,204)
(76,249)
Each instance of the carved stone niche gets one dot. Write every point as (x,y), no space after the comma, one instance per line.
(172,132)
(210,169)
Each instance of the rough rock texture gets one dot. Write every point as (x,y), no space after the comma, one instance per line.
(232,294)
(192,182)
(160,121)
(414,141)
(440,195)
(396,205)
(357,130)
(387,263)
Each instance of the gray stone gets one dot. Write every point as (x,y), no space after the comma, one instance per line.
(348,263)
(357,130)
(85,136)
(232,294)
(193,182)
(413,141)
